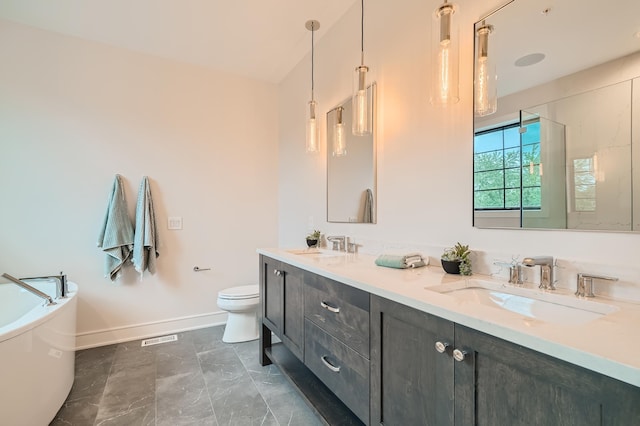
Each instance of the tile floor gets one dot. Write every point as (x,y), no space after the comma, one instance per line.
(198,380)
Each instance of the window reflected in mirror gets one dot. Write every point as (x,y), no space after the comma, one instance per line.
(560,150)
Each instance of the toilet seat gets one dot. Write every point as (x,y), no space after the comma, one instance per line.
(240,293)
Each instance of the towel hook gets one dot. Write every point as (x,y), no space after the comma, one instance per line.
(198,269)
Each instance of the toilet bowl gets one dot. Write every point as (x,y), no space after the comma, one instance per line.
(242,305)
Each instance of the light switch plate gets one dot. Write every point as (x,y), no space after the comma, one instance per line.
(174,222)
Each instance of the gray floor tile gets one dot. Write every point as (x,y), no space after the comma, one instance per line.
(289,409)
(183,399)
(79,412)
(139,415)
(128,389)
(198,380)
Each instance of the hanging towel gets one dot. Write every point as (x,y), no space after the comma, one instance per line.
(116,235)
(145,243)
(367,216)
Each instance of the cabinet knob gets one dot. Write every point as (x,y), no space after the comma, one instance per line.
(459,355)
(329,308)
(277,273)
(441,347)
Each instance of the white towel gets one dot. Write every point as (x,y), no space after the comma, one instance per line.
(116,235)
(145,245)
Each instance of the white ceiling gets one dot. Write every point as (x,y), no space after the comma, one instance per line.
(573,34)
(257,39)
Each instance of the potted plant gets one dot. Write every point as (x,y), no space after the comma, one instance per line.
(313,238)
(456,260)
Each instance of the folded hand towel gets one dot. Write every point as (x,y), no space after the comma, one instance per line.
(413,260)
(116,235)
(145,245)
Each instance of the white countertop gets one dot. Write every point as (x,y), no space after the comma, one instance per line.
(609,345)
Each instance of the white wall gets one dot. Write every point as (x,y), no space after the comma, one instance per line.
(425,152)
(73,114)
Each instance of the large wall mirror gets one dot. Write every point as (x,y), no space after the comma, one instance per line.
(351,165)
(560,146)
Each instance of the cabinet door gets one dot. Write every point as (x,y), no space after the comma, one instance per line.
(500,383)
(271,293)
(292,329)
(411,383)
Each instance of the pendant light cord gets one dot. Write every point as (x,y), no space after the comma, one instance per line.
(362,33)
(313,30)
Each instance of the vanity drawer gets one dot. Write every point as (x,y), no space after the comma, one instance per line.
(342,369)
(340,310)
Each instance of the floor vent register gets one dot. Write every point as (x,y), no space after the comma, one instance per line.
(159,340)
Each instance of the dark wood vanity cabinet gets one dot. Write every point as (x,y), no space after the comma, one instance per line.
(494,383)
(282,295)
(358,358)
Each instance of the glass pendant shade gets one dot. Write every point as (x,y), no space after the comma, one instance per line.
(339,136)
(444,82)
(360,103)
(312,129)
(486,96)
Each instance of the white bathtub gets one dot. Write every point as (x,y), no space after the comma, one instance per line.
(37,353)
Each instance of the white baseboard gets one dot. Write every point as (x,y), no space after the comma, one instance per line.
(92,339)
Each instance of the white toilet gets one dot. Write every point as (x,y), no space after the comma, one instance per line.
(242,304)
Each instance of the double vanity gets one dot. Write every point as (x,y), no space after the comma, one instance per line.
(372,345)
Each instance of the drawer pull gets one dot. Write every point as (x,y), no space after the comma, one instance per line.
(330,366)
(277,273)
(329,307)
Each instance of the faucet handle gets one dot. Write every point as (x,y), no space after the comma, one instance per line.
(515,274)
(584,284)
(352,246)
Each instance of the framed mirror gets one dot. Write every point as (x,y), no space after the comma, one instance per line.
(558,149)
(351,165)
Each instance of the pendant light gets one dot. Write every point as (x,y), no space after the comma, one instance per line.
(486,97)
(339,136)
(444,84)
(360,102)
(312,122)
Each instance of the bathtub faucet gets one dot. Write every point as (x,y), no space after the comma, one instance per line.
(27,287)
(61,283)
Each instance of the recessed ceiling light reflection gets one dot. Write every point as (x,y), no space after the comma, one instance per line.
(529,60)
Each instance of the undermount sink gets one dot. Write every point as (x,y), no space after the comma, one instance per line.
(316,252)
(533,303)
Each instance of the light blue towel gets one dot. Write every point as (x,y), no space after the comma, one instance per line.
(116,235)
(145,245)
(412,260)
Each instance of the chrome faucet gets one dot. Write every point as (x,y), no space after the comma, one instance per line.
(546,270)
(27,287)
(338,241)
(584,285)
(61,283)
